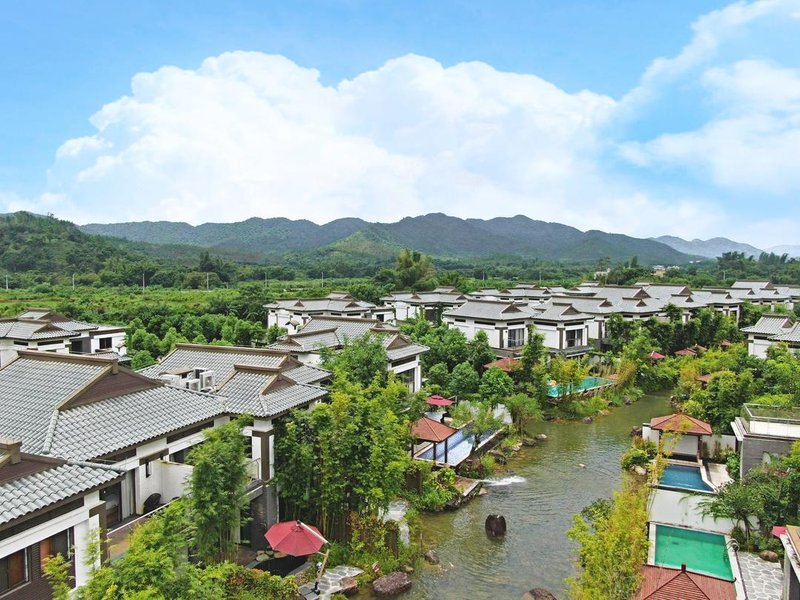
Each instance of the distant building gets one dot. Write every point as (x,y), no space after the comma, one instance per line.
(48,331)
(429,305)
(505,323)
(332,332)
(294,313)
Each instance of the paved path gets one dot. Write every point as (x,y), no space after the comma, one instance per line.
(329,582)
(762,580)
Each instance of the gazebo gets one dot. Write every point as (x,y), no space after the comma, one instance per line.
(686,352)
(655,355)
(428,430)
(691,429)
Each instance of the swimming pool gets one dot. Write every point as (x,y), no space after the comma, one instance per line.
(684,476)
(589,383)
(459,447)
(702,552)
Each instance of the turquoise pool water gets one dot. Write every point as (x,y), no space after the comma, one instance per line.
(686,477)
(702,552)
(554,391)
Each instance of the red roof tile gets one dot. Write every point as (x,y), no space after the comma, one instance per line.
(663,583)
(680,423)
(430,431)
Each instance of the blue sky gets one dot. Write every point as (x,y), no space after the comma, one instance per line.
(676,117)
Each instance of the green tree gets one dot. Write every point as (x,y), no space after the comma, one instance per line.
(141,360)
(613,547)
(274,332)
(361,360)
(480,353)
(217,491)
(533,353)
(495,386)
(438,376)
(523,409)
(56,571)
(413,268)
(464,380)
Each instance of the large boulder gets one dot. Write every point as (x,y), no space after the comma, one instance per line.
(495,526)
(636,431)
(769,556)
(538,594)
(541,437)
(349,586)
(391,584)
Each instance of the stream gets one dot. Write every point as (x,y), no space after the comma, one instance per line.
(543,488)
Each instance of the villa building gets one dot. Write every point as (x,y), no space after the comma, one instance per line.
(769,330)
(47,506)
(294,313)
(332,332)
(48,331)
(764,432)
(565,328)
(505,323)
(429,305)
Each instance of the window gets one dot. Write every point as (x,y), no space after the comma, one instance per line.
(105,343)
(148,468)
(574,338)
(14,570)
(516,338)
(60,543)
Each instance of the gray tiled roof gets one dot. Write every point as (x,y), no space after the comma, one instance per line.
(561,312)
(22,496)
(770,325)
(220,359)
(490,310)
(105,426)
(307,374)
(32,388)
(334,302)
(32,330)
(790,336)
(395,354)
(244,392)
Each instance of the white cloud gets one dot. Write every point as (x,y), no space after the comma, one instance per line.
(248,134)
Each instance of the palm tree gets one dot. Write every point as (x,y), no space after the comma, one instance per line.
(737,501)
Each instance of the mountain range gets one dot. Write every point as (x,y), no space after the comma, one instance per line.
(435,234)
(710,248)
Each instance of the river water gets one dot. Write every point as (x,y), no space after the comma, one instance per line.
(546,488)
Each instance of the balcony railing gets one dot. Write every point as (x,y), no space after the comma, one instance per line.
(771,414)
(119,537)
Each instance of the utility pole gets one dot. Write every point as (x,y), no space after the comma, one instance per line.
(143,282)
(323,279)
(207,281)
(6,282)
(73,282)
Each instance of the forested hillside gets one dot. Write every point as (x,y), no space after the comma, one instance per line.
(436,234)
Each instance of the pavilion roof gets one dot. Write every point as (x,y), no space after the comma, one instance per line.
(680,423)
(430,431)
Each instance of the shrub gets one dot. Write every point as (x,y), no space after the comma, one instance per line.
(634,457)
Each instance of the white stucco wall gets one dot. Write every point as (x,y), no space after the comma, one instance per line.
(677,508)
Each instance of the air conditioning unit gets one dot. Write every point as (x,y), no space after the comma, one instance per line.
(207,380)
(192,384)
(173,380)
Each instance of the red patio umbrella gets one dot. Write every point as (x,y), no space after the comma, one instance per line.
(655,356)
(438,401)
(295,538)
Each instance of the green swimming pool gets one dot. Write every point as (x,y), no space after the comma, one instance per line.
(702,552)
(589,383)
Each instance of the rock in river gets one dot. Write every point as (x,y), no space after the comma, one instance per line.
(541,437)
(587,420)
(495,525)
(432,557)
(538,594)
(391,584)
(349,586)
